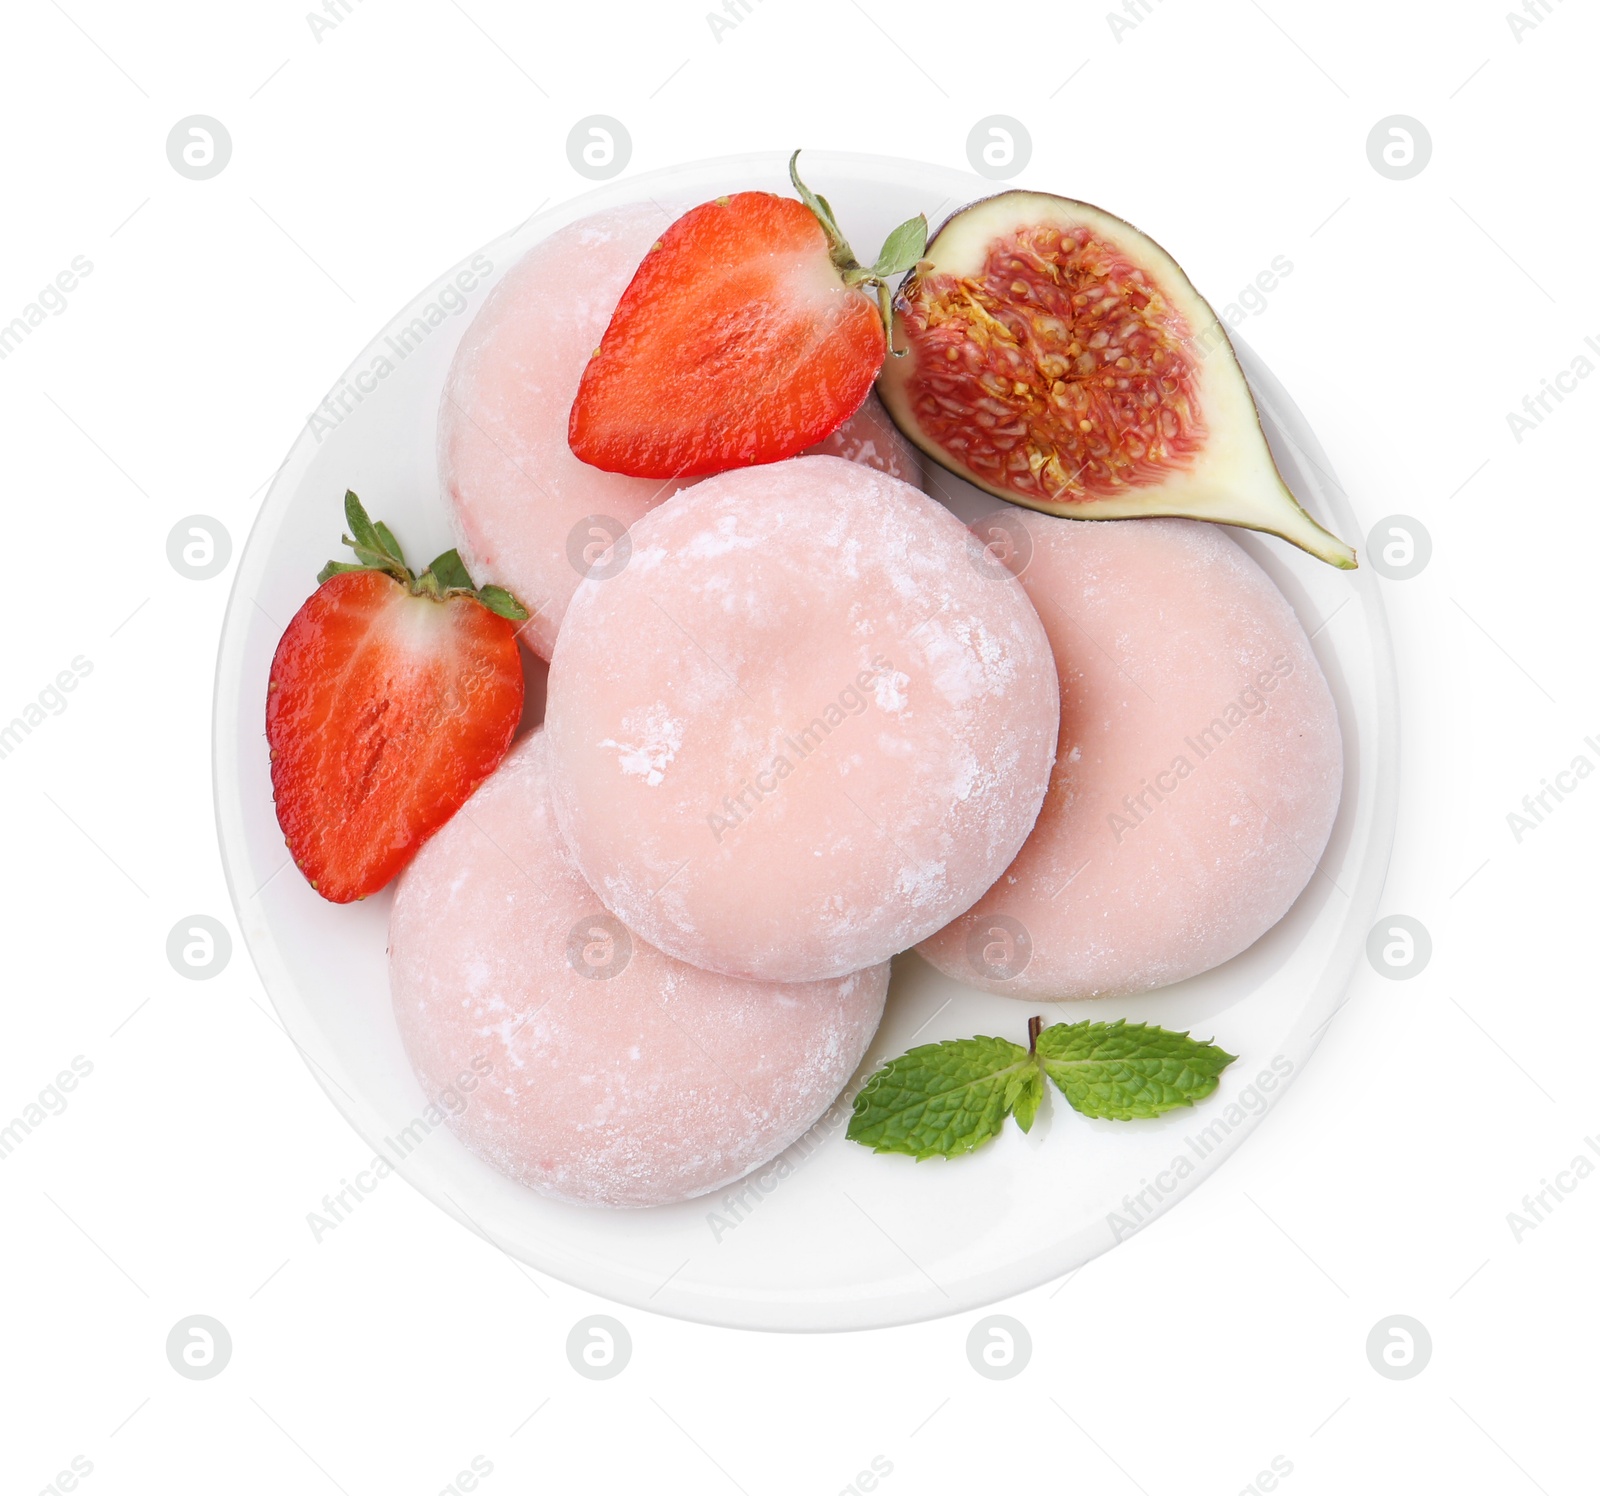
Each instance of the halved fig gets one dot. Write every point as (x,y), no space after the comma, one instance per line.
(1057,357)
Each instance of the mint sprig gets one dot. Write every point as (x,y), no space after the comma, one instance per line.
(942,1100)
(376,549)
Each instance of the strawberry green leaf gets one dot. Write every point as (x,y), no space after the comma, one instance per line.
(355,516)
(818,205)
(498,601)
(1125,1070)
(374,545)
(943,1100)
(376,549)
(839,251)
(370,559)
(903,248)
(390,545)
(450,571)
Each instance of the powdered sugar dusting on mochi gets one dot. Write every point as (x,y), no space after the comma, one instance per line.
(1198,767)
(868,722)
(659,738)
(889,691)
(654,1084)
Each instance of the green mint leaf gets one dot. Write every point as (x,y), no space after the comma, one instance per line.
(449,570)
(903,248)
(941,1100)
(1127,1070)
(497,600)
(1024,1092)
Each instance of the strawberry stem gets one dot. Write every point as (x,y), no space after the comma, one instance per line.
(900,252)
(376,549)
(839,250)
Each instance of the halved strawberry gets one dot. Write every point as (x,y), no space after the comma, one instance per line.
(746,335)
(391,698)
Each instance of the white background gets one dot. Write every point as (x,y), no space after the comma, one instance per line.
(386,1357)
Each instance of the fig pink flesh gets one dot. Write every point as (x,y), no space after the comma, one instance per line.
(802,729)
(1197,773)
(640,1088)
(517,494)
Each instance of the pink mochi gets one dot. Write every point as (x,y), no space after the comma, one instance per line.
(608,1073)
(1197,773)
(515,491)
(869,436)
(803,728)
(517,496)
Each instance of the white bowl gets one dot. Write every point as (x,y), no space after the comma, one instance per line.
(830,1237)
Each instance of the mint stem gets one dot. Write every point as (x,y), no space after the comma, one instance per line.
(1034,1025)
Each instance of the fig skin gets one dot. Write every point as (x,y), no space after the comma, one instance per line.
(1181,437)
